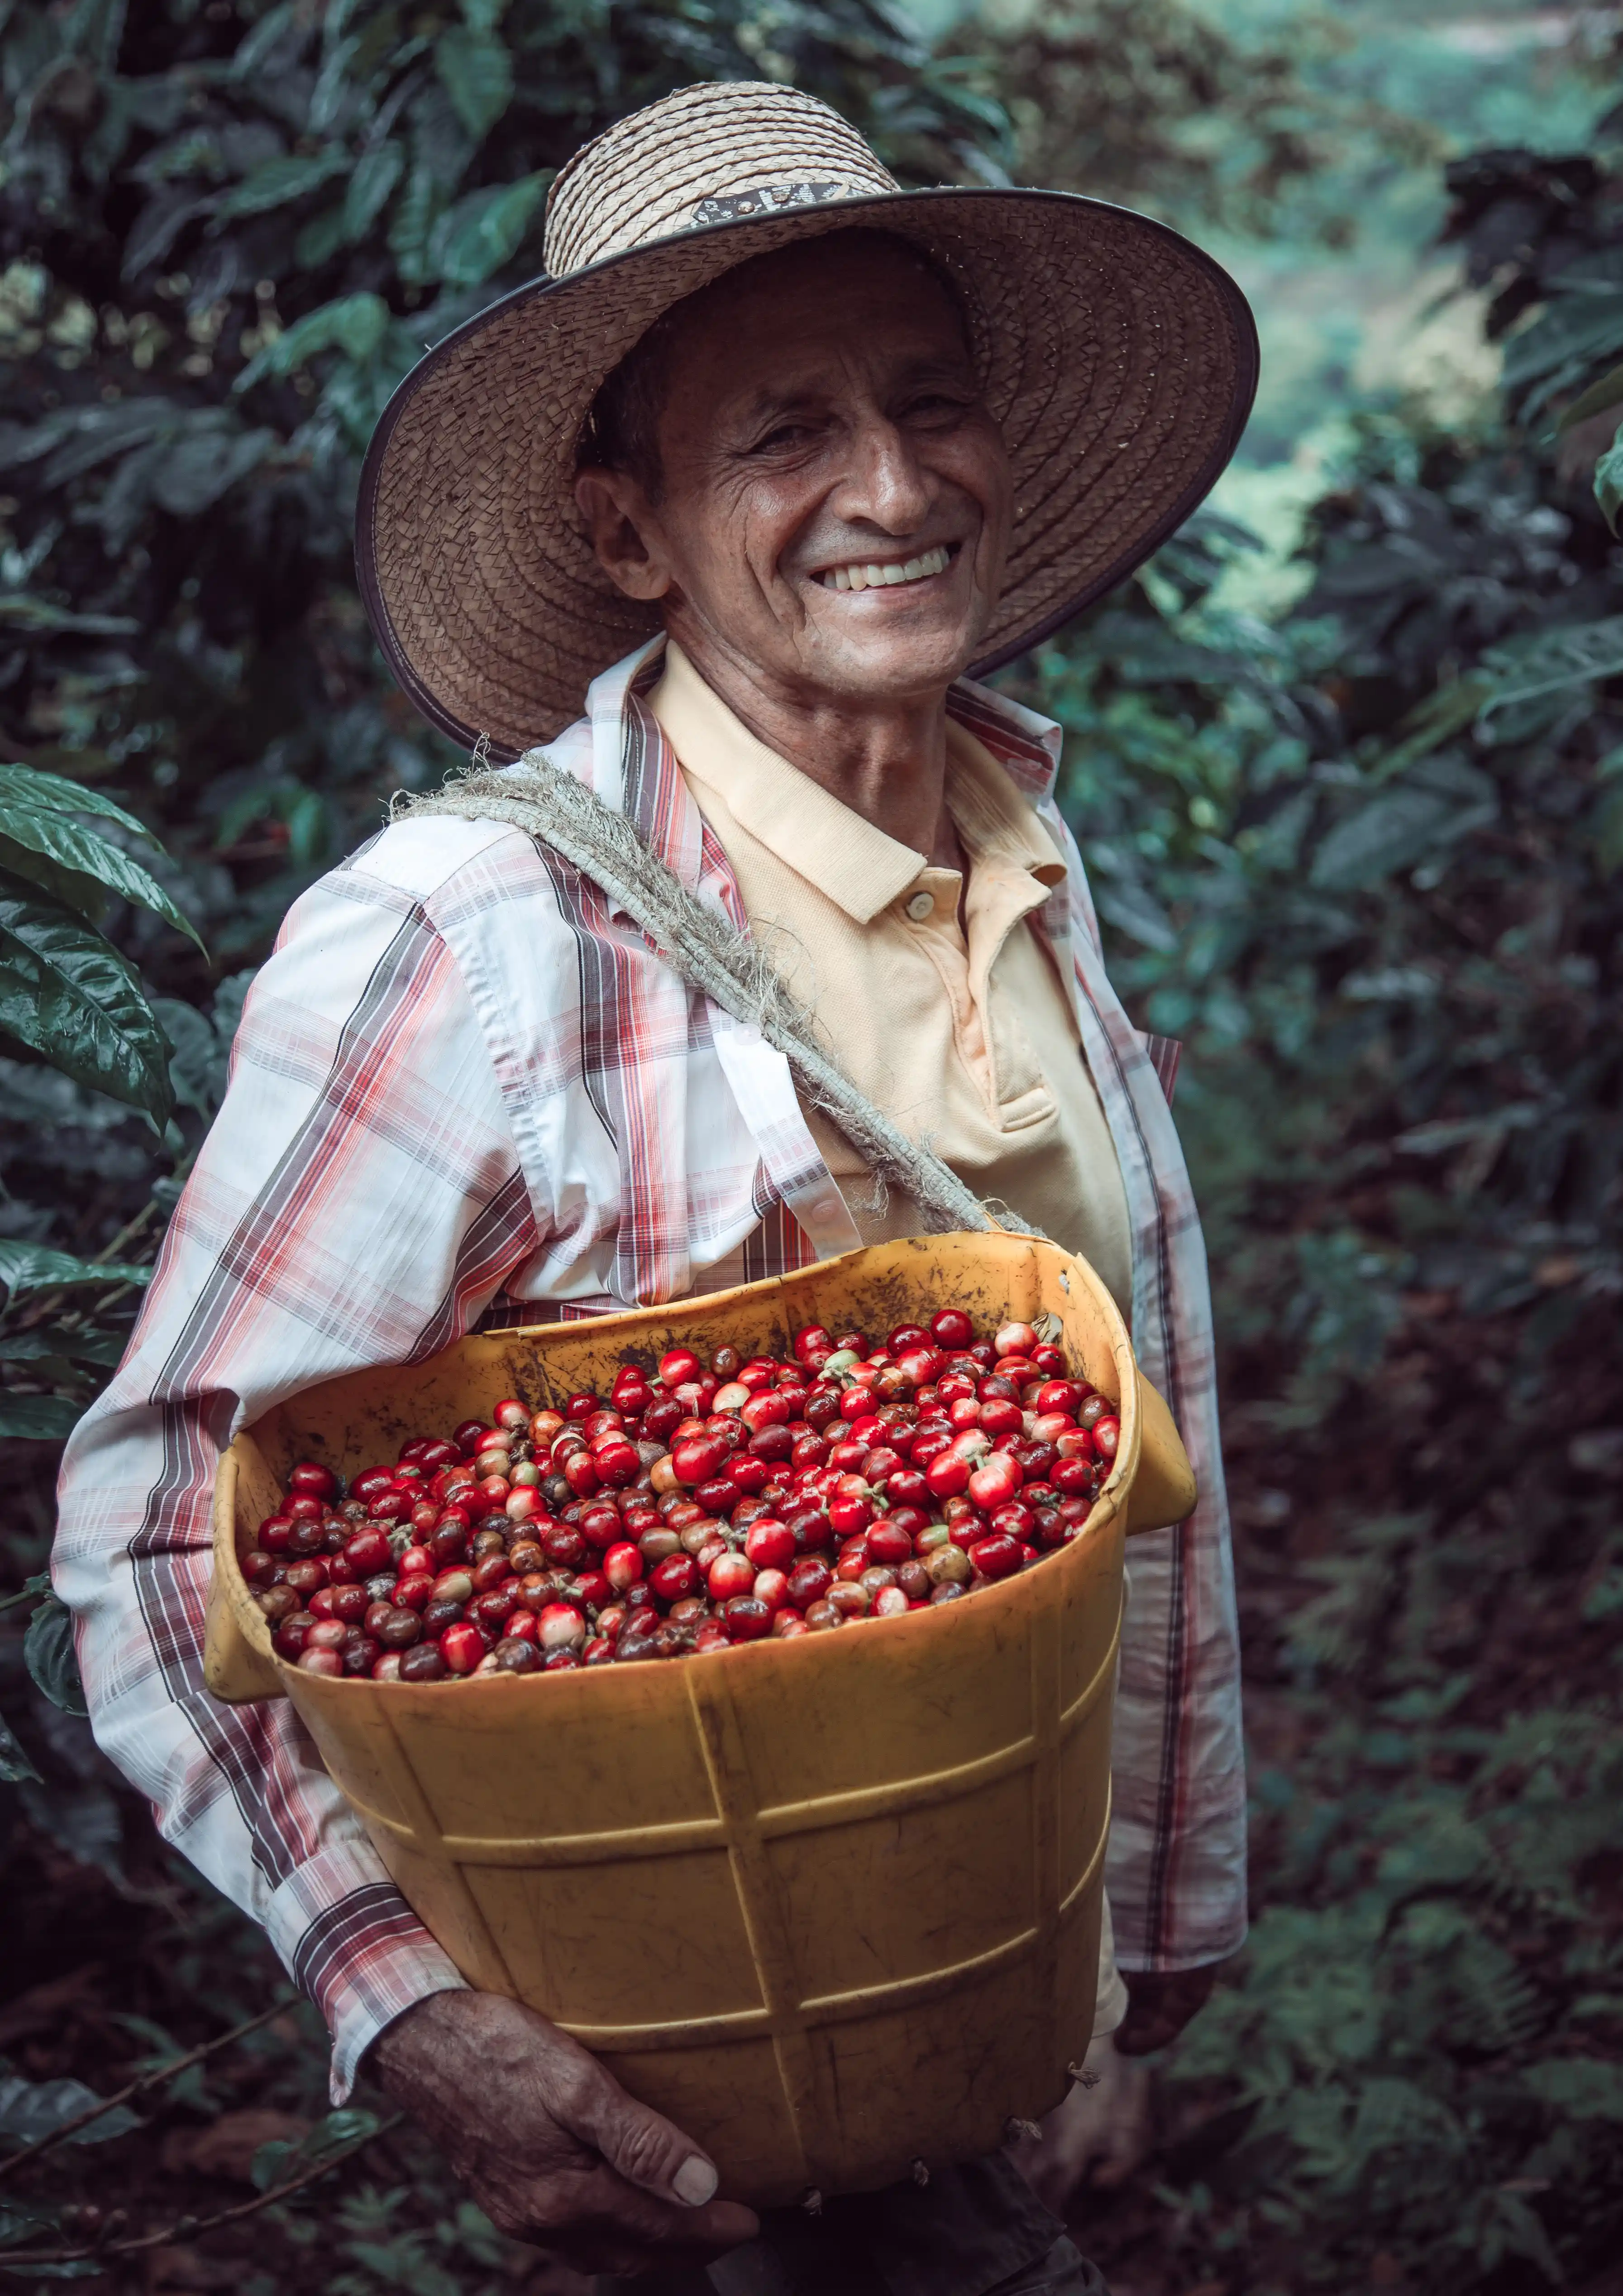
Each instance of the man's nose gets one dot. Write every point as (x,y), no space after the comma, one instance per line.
(885,486)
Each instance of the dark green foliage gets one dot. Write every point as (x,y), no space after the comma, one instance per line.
(1369,863)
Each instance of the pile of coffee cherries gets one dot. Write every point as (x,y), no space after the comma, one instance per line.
(698,1506)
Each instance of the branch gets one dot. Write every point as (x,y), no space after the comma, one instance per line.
(154,2079)
(188,2227)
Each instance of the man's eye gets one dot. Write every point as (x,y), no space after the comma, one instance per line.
(785,434)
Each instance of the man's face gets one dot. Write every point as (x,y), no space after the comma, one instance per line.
(836,501)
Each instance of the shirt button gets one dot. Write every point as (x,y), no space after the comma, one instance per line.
(920,905)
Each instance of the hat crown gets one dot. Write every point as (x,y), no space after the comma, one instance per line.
(711,154)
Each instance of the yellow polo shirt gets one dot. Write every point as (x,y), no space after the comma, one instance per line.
(960,1030)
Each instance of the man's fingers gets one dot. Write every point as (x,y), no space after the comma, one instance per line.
(647,2150)
(597,2210)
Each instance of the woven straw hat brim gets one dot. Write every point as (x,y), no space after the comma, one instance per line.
(1120,361)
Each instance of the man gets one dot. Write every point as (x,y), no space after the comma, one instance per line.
(812,448)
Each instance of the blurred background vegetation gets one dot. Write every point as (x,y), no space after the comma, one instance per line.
(1346,763)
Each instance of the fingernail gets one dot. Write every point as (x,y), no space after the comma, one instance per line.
(694,2182)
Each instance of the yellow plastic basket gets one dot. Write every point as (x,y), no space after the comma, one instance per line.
(832,1904)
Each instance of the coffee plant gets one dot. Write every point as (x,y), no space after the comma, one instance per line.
(1367,861)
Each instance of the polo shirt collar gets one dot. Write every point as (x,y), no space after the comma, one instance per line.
(852,863)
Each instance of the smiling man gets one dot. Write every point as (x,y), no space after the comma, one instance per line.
(775,457)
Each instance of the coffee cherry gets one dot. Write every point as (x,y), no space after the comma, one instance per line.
(995,1483)
(855,1481)
(622,1566)
(889,1542)
(730,1575)
(675,1576)
(559,1627)
(996,1557)
(769,1544)
(950,1565)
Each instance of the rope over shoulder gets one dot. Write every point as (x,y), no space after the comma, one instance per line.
(710,954)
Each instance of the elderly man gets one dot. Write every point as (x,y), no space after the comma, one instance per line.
(811,448)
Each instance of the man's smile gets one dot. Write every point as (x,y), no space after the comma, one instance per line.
(874,574)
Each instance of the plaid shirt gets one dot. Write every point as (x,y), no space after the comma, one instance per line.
(465,1090)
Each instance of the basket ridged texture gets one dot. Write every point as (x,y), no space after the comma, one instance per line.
(1119,360)
(832,1904)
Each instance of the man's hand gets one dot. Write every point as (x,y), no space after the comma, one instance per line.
(1159,2007)
(552,2148)
(1101,2133)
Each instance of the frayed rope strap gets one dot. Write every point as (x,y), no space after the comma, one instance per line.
(711,954)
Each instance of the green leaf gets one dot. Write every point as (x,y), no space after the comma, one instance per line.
(197,1070)
(84,2270)
(1552,660)
(48,1652)
(198,469)
(476,73)
(47,831)
(1609,479)
(321,238)
(483,230)
(30,2110)
(1570,328)
(353,323)
(54,790)
(1589,2088)
(1392,832)
(68,994)
(25,1267)
(16,1767)
(37,1418)
(1606,392)
(409,227)
(1608,831)
(38,618)
(376,174)
(277,181)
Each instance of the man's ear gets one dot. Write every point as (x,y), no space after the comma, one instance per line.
(625,532)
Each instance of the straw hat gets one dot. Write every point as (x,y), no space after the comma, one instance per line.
(1119,360)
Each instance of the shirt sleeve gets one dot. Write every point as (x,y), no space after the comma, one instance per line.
(358,1200)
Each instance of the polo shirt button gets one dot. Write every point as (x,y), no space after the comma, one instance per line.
(922,905)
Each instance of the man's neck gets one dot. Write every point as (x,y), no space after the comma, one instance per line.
(887,761)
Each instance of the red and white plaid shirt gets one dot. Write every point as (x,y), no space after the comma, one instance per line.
(465,1090)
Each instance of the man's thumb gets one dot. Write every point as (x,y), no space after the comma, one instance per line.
(648,2150)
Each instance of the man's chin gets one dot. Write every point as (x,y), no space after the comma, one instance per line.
(880,666)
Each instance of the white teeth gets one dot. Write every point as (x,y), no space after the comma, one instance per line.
(875,577)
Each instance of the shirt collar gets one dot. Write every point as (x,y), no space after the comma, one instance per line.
(825,842)
(834,848)
(1025,744)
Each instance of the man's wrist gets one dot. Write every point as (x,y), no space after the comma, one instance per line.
(1159,2004)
